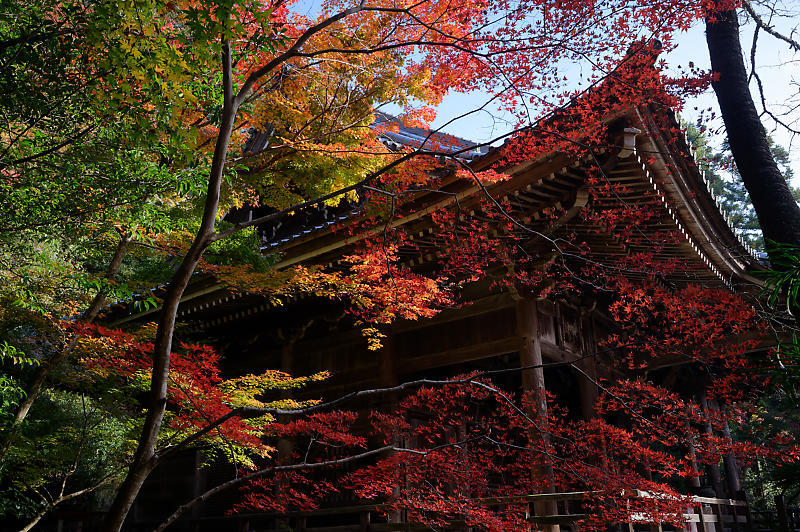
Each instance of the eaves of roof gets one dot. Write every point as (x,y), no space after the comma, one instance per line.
(663,160)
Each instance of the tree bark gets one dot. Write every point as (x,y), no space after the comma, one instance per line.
(144,459)
(39,377)
(113,268)
(778,213)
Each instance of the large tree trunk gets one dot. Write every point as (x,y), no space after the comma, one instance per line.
(778,213)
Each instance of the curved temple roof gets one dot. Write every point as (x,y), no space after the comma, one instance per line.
(651,161)
(658,160)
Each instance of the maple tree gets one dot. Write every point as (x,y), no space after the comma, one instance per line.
(455,42)
(187,98)
(455,449)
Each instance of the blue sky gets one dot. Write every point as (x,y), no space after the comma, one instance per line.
(778,67)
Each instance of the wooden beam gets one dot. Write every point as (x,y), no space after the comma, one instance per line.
(475,308)
(461,354)
(530,354)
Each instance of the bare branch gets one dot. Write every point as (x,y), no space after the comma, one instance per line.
(64,498)
(252,412)
(251,80)
(793,44)
(276,469)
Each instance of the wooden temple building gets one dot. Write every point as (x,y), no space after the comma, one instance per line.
(498,328)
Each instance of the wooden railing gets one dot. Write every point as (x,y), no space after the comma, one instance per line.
(734,515)
(783,518)
(715,515)
(708,515)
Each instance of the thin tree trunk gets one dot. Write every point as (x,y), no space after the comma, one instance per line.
(145,459)
(113,268)
(778,213)
(41,373)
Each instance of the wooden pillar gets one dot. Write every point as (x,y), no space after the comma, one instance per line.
(587,386)
(364,522)
(533,383)
(748,517)
(198,487)
(714,474)
(720,514)
(693,482)
(783,514)
(388,373)
(387,378)
(531,355)
(287,354)
(285,445)
(702,524)
(729,461)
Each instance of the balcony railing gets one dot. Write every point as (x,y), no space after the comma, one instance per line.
(705,515)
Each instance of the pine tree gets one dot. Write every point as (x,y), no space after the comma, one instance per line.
(726,183)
